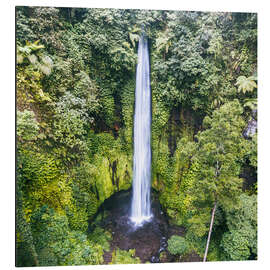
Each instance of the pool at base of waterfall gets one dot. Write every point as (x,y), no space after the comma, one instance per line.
(149,238)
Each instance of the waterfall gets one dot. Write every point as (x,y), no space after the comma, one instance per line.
(140,207)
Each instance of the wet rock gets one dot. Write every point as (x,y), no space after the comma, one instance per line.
(161,249)
(164,245)
(163,242)
(251,127)
(154,259)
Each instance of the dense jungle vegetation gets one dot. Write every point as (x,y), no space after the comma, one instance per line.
(75,78)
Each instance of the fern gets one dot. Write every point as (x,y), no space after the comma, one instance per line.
(246,84)
(251,103)
(133,38)
(31,51)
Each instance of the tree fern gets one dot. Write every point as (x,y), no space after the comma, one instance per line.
(31,51)
(246,84)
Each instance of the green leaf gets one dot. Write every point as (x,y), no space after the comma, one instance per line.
(246,84)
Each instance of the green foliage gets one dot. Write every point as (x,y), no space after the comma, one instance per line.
(26,254)
(219,152)
(220,148)
(111,167)
(235,245)
(101,237)
(56,243)
(195,241)
(77,250)
(127,101)
(85,199)
(252,151)
(181,54)
(31,52)
(124,257)
(251,103)
(48,226)
(43,182)
(246,84)
(160,116)
(134,37)
(27,126)
(163,42)
(46,25)
(29,76)
(87,90)
(77,216)
(176,197)
(177,245)
(242,229)
(69,128)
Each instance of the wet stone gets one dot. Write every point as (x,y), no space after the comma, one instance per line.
(154,259)
(164,245)
(161,249)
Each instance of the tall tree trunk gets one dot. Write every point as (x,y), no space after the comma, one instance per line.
(210,231)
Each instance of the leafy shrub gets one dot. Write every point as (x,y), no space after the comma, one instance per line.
(101,237)
(44,181)
(235,246)
(77,217)
(241,238)
(177,245)
(56,244)
(77,250)
(27,125)
(124,257)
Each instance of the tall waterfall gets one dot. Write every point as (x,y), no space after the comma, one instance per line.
(140,208)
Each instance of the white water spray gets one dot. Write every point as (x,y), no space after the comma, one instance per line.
(140,208)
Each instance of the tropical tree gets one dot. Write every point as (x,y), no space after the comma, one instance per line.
(218,154)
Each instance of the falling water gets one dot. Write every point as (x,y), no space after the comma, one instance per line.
(140,208)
